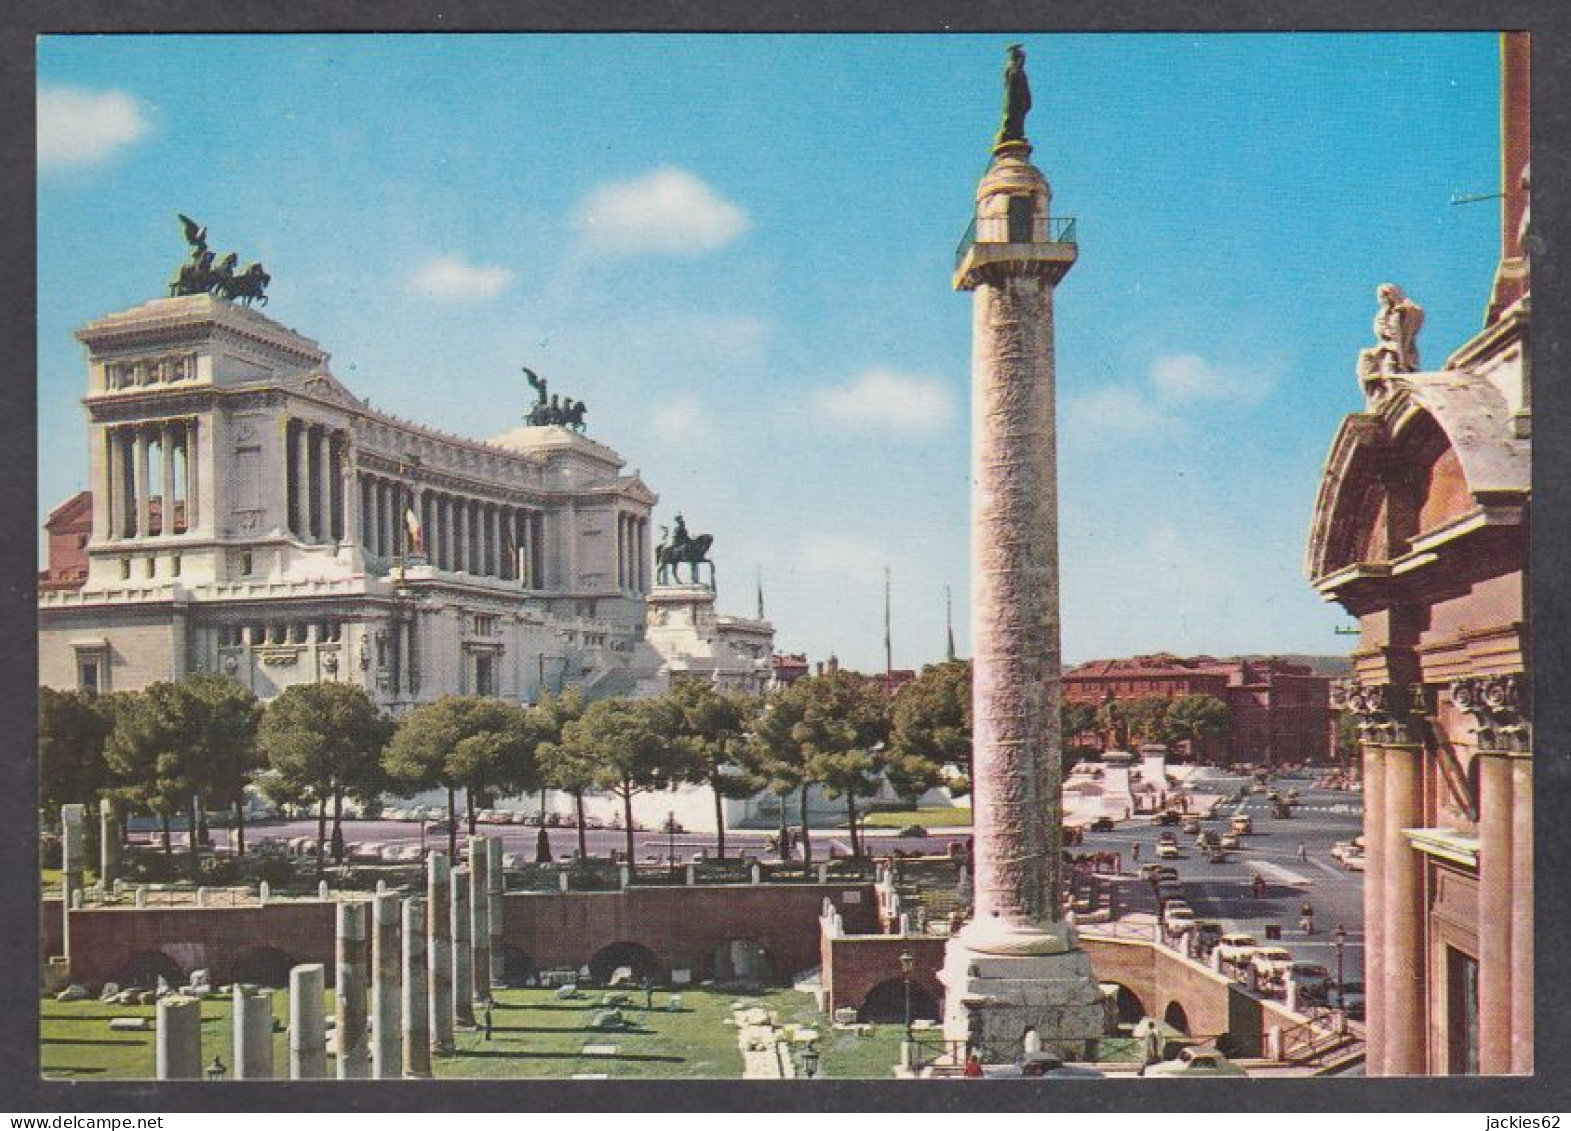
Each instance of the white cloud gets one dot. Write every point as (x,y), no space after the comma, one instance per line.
(1188,377)
(449,277)
(82,127)
(682,420)
(667,210)
(843,556)
(1112,413)
(882,398)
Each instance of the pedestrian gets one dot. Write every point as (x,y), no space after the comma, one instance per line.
(1134,852)
(485,1021)
(973,1068)
(649,993)
(1260,886)
(1303,853)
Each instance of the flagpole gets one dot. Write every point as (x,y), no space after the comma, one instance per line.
(889,654)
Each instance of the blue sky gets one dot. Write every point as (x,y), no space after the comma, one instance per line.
(737,250)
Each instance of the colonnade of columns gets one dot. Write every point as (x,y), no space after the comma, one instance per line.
(315,460)
(460,533)
(632,552)
(151,485)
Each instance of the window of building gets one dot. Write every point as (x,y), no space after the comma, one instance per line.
(87,675)
(1020,219)
(485,675)
(174,566)
(152,567)
(1461,1013)
(485,624)
(125,569)
(245,563)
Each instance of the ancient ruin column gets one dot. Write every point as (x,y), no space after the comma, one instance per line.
(253,1035)
(1374,909)
(177,1042)
(1404,915)
(73,860)
(1495,862)
(108,843)
(352,981)
(1522,913)
(1018,963)
(439,951)
(480,915)
(417,1026)
(386,1032)
(307,1033)
(496,880)
(463,957)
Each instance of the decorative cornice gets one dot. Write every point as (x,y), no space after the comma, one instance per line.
(1386,714)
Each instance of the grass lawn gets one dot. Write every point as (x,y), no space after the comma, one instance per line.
(935,818)
(533,1035)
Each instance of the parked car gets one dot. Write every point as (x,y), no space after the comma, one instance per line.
(1178,917)
(1230,840)
(1103,825)
(1044,1064)
(1208,838)
(1196,1061)
(1313,980)
(1236,948)
(1216,855)
(1242,825)
(1169,817)
(1191,826)
(1167,872)
(1271,964)
(1166,851)
(1208,932)
(1167,838)
(1353,861)
(1350,997)
(1341,848)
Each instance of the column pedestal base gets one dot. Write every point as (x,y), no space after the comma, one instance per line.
(1001,980)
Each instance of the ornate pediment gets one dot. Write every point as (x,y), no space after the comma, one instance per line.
(323,386)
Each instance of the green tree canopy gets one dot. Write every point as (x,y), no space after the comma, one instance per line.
(1193,718)
(324,742)
(224,719)
(844,726)
(152,754)
(931,728)
(73,728)
(633,748)
(565,762)
(711,726)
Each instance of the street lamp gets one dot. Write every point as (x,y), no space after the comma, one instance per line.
(810,1060)
(670,840)
(216,1070)
(907,964)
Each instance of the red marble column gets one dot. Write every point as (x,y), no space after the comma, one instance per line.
(1374,909)
(1403,900)
(1522,914)
(1494,915)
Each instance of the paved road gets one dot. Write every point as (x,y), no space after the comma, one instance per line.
(1223,891)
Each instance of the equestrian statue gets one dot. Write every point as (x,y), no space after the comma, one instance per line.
(681,547)
(199,275)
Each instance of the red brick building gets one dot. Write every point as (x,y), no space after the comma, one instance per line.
(69,526)
(1421,531)
(1277,711)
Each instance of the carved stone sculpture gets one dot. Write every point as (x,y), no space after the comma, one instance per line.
(1397,322)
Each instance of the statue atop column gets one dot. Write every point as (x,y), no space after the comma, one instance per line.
(554,409)
(1397,322)
(1017,96)
(198,275)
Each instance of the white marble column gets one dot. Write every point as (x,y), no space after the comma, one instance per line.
(465,562)
(494,527)
(107,490)
(322,465)
(439,950)
(139,481)
(166,453)
(302,447)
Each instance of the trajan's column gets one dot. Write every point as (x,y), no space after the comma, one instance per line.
(1018,964)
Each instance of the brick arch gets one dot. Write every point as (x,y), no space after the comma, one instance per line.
(143,968)
(644,962)
(1129,1004)
(1176,1017)
(885,1002)
(724,968)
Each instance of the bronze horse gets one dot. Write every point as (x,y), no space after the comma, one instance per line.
(694,551)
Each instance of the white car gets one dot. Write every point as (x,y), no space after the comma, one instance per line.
(1236,948)
(1353,861)
(1167,851)
(1196,1061)
(1271,963)
(1178,918)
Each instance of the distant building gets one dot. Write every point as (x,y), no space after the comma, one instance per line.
(1278,711)
(1421,530)
(69,527)
(788,668)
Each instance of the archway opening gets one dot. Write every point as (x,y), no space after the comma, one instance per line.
(743,960)
(145,967)
(885,1003)
(517,966)
(1130,1008)
(639,959)
(264,966)
(1176,1018)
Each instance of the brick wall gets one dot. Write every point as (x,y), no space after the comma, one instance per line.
(854,965)
(681,926)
